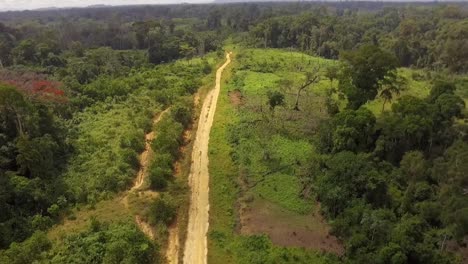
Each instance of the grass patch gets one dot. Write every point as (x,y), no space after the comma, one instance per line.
(417,85)
(256,155)
(225,244)
(79,219)
(282,189)
(223,176)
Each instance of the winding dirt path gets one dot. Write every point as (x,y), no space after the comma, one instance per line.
(146,154)
(196,244)
(144,227)
(172,252)
(145,158)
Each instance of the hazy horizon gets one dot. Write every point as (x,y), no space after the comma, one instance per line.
(16,5)
(37,4)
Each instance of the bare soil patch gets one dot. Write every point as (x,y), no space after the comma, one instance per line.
(173,246)
(146,228)
(462,251)
(289,229)
(236,98)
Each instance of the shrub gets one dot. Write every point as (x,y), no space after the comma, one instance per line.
(27,251)
(162,211)
(40,222)
(182,112)
(102,243)
(168,139)
(158,181)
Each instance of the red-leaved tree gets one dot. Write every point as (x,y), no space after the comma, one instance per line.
(35,86)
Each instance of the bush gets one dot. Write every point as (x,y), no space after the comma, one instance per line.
(191,85)
(101,243)
(28,251)
(206,67)
(182,112)
(160,171)
(169,137)
(167,143)
(130,157)
(53,210)
(158,181)
(162,211)
(40,222)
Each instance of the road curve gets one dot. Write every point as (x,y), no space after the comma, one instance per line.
(196,244)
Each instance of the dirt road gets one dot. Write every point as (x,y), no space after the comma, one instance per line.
(196,244)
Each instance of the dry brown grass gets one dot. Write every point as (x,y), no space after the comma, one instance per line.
(112,210)
(289,229)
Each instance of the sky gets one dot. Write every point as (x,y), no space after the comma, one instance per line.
(35,4)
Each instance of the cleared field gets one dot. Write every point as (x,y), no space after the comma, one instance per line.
(256,206)
(271,144)
(287,229)
(257,152)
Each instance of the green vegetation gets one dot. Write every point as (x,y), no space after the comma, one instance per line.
(162,211)
(382,184)
(238,133)
(417,36)
(359,165)
(103,243)
(78,140)
(109,134)
(341,128)
(28,251)
(107,146)
(32,152)
(366,71)
(166,147)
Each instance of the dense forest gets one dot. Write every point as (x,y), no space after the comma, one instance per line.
(327,99)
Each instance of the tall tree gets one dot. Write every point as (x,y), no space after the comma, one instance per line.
(13,106)
(390,87)
(311,78)
(364,72)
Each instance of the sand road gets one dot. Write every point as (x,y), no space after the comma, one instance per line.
(196,244)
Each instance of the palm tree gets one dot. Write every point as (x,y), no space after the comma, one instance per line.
(389,89)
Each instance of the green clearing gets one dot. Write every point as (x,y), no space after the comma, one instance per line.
(256,153)
(80,89)
(280,187)
(108,133)
(265,69)
(269,146)
(228,162)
